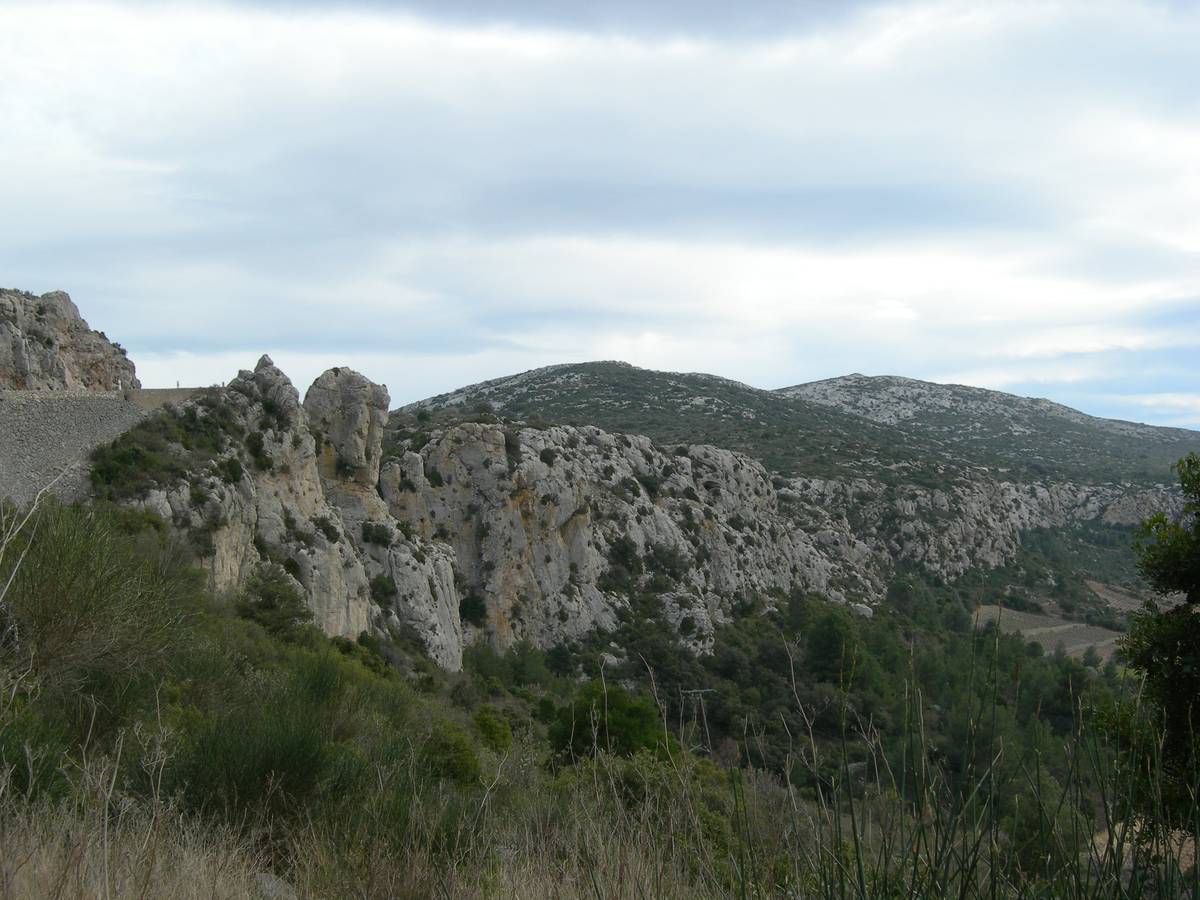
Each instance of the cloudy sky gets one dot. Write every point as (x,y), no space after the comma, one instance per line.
(1004,194)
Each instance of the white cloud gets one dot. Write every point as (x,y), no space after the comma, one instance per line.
(1180,409)
(1006,192)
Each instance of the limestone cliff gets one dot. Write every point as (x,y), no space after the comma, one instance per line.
(489,531)
(266,498)
(45,345)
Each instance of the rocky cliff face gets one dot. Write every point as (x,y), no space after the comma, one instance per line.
(490,531)
(551,530)
(271,496)
(45,345)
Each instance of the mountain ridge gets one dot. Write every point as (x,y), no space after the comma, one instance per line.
(869,423)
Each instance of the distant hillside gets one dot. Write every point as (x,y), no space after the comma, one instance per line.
(788,436)
(1003,430)
(891,429)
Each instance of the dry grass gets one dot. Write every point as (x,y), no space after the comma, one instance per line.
(61,852)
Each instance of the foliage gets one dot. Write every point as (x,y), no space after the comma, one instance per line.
(826,756)
(493,729)
(607,718)
(383,589)
(1169,552)
(92,610)
(164,446)
(1163,644)
(377,533)
(271,599)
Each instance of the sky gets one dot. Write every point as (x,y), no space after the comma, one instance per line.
(1004,194)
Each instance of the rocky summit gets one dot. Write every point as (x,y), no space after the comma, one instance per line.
(45,345)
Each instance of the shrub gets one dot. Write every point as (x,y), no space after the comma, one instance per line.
(256,444)
(261,753)
(271,599)
(92,603)
(606,718)
(377,533)
(325,525)
(548,456)
(383,589)
(449,753)
(231,470)
(494,730)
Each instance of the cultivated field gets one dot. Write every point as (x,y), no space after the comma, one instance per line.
(1050,631)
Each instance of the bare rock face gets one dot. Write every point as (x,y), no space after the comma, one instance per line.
(349,413)
(551,530)
(412,577)
(45,345)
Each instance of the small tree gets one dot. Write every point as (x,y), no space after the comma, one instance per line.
(1164,643)
(607,719)
(271,599)
(1169,551)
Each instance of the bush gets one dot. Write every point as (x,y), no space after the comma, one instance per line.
(494,730)
(609,719)
(383,589)
(377,533)
(271,599)
(264,753)
(93,606)
(450,754)
(325,525)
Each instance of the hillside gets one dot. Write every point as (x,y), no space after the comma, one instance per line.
(1034,498)
(1022,434)
(408,642)
(789,436)
(892,429)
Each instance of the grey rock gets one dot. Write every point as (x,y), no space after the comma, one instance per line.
(46,345)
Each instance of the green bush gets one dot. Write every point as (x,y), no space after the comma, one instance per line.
(262,752)
(383,589)
(493,728)
(450,754)
(607,718)
(377,533)
(271,599)
(98,612)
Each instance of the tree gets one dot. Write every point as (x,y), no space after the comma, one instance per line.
(1164,643)
(1169,551)
(607,718)
(272,600)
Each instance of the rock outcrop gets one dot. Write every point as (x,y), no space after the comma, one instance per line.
(553,529)
(272,497)
(45,345)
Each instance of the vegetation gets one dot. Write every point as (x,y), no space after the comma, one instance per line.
(217,743)
(1163,643)
(164,447)
(795,436)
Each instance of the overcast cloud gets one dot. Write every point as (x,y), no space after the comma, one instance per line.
(998,193)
